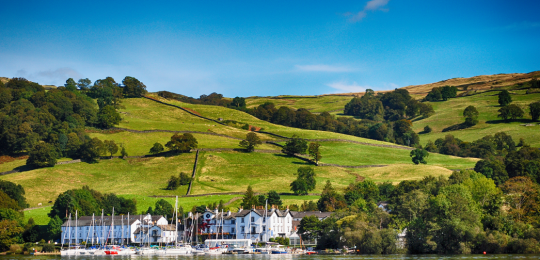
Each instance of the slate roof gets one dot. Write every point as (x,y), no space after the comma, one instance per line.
(318,214)
(244,212)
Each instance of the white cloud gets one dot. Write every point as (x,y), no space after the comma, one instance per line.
(344,86)
(324,68)
(372,5)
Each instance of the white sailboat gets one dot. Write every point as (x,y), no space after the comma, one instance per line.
(182,249)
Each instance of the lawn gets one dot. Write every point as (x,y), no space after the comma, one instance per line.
(450,113)
(354,154)
(400,172)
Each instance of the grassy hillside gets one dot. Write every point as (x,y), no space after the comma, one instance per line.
(316,104)
(450,113)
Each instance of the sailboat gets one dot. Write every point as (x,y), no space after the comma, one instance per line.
(75,249)
(182,249)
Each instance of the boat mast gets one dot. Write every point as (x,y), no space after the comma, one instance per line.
(102,229)
(76,227)
(140,229)
(222,222)
(122,243)
(176,220)
(69,228)
(112,227)
(128,228)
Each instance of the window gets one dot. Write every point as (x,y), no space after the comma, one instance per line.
(264,220)
(264,228)
(242,220)
(232,230)
(233,221)
(253,230)
(252,219)
(242,228)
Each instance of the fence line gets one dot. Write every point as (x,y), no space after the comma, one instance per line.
(193,174)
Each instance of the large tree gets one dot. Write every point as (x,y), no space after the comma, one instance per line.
(252,140)
(471,115)
(330,199)
(534,110)
(305,181)
(419,156)
(504,98)
(108,117)
(511,111)
(133,87)
(249,199)
(42,155)
(182,143)
(110,146)
(295,145)
(274,198)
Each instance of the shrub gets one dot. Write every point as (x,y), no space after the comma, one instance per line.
(427,129)
(48,248)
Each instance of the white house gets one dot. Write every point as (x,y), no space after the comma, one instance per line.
(117,230)
(254,224)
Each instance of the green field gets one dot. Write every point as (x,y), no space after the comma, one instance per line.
(314,105)
(450,113)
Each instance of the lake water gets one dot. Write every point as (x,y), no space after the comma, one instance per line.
(295,257)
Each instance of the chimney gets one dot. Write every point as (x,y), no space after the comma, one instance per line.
(216,211)
(228,213)
(239,209)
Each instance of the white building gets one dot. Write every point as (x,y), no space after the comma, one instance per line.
(255,224)
(120,230)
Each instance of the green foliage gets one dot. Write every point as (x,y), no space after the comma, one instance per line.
(314,152)
(182,179)
(157,148)
(493,169)
(330,199)
(163,208)
(419,156)
(238,102)
(107,92)
(510,112)
(108,117)
(443,93)
(427,129)
(274,198)
(110,146)
(182,143)
(133,87)
(48,248)
(71,85)
(42,155)
(366,190)
(310,226)
(15,192)
(365,107)
(7,203)
(9,233)
(91,149)
(504,98)
(54,228)
(249,199)
(295,145)
(426,110)
(83,84)
(471,115)
(534,110)
(305,181)
(250,142)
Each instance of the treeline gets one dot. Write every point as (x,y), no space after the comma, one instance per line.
(50,124)
(211,99)
(465,213)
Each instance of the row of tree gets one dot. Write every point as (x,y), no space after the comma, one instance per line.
(211,99)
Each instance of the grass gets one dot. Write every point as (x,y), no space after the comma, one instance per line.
(400,172)
(140,143)
(450,113)
(39,215)
(314,105)
(226,172)
(146,176)
(353,154)
(216,112)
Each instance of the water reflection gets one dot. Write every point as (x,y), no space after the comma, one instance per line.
(276,257)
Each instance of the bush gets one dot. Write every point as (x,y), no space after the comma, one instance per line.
(15,249)
(427,129)
(48,248)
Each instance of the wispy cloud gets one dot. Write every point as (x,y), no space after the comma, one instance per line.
(521,26)
(373,5)
(343,86)
(324,68)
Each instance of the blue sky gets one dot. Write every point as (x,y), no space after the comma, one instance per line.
(260,48)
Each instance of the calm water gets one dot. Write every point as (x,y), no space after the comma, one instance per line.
(295,257)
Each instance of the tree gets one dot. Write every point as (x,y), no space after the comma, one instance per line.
(274,198)
(133,87)
(110,146)
(426,110)
(295,145)
(448,92)
(249,199)
(9,233)
(54,228)
(511,111)
(15,192)
(427,129)
(157,148)
(471,115)
(523,197)
(251,141)
(534,110)
(504,98)
(91,149)
(434,95)
(305,181)
(42,155)
(310,226)
(108,117)
(173,183)
(123,152)
(84,84)
(419,155)
(164,208)
(71,85)
(330,199)
(314,152)
(182,143)
(238,102)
